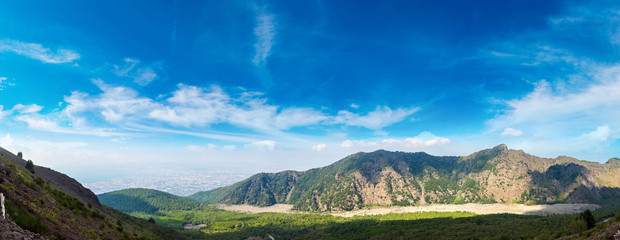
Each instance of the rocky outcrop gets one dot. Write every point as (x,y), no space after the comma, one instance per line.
(10,230)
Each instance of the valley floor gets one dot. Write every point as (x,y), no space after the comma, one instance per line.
(496,208)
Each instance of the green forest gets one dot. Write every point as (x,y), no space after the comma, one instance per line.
(220,224)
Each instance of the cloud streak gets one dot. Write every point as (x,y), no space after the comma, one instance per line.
(381,117)
(141,75)
(264,31)
(38,52)
(424,139)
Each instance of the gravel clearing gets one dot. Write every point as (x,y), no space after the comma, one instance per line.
(476,208)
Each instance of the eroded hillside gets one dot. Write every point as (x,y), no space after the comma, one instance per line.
(398,178)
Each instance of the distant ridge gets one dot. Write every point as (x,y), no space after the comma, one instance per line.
(398,178)
(146,201)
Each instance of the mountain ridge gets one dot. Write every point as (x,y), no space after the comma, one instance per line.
(382,177)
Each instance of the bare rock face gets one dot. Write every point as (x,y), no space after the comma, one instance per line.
(10,230)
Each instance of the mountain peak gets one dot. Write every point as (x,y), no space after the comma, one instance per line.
(502,147)
(613,161)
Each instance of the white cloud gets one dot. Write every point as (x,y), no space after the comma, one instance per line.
(3,113)
(263,145)
(424,139)
(4,83)
(602,134)
(115,104)
(264,31)
(32,108)
(319,147)
(145,76)
(546,106)
(353,105)
(195,106)
(188,107)
(229,147)
(575,104)
(512,132)
(382,117)
(37,51)
(191,105)
(142,75)
(206,148)
(41,123)
(7,141)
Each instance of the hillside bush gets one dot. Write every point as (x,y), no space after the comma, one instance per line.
(30,166)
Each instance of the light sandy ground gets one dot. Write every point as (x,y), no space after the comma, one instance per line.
(279,208)
(193,227)
(470,207)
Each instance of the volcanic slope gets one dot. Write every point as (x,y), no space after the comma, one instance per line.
(49,203)
(398,178)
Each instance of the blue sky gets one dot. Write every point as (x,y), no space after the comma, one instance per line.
(109,89)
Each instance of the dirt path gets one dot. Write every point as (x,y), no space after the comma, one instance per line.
(476,208)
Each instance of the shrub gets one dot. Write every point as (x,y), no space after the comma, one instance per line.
(578,225)
(30,166)
(39,181)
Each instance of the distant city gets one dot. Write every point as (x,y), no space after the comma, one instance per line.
(182,185)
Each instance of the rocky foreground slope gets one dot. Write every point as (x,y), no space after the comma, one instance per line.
(398,178)
(55,206)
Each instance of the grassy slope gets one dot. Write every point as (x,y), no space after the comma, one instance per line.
(34,204)
(146,201)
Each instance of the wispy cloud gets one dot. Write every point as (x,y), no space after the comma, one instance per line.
(512,132)
(41,123)
(574,106)
(264,145)
(264,31)
(193,111)
(319,147)
(424,139)
(196,148)
(142,75)
(381,117)
(4,83)
(37,51)
(2,112)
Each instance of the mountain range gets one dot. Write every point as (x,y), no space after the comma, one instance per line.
(45,204)
(492,175)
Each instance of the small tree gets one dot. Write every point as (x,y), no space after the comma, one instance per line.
(20,155)
(151,220)
(588,218)
(30,166)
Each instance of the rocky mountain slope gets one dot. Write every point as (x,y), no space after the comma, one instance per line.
(399,178)
(56,206)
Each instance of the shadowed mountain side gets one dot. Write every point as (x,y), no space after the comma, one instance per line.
(127,204)
(398,178)
(146,201)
